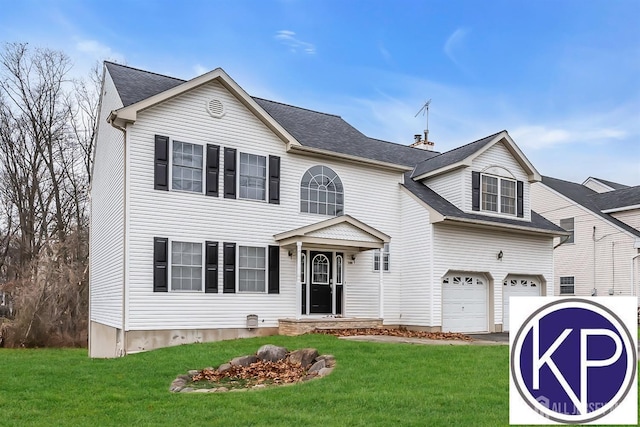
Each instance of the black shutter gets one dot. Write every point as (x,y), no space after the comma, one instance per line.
(274,269)
(229,259)
(160,246)
(213,165)
(274,179)
(520,200)
(230,173)
(475,191)
(211,272)
(161,165)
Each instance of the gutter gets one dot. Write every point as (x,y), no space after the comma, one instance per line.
(493,225)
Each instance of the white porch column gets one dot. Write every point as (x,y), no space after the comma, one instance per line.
(298,281)
(381,285)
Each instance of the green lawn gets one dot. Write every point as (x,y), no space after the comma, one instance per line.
(373,384)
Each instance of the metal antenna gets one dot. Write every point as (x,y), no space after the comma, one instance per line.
(425,111)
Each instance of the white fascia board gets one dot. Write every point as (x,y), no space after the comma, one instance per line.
(129,114)
(511,227)
(319,152)
(532,173)
(449,168)
(621,209)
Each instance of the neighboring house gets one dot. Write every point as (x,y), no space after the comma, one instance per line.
(601,254)
(216,215)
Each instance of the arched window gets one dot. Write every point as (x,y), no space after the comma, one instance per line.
(321,192)
(320,270)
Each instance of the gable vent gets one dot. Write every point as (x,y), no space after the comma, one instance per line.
(215,108)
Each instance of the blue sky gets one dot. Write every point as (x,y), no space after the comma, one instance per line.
(563,77)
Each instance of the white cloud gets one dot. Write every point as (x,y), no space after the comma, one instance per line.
(295,45)
(454,42)
(200,70)
(384,53)
(537,137)
(99,51)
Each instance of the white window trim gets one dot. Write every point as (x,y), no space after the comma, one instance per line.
(387,254)
(170,265)
(339,269)
(266,176)
(499,201)
(266,267)
(303,267)
(204,167)
(344,192)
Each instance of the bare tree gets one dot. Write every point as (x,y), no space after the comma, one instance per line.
(47,127)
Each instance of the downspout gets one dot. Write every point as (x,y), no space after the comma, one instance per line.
(593,237)
(633,264)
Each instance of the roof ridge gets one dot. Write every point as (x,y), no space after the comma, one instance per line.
(466,145)
(144,71)
(437,153)
(295,106)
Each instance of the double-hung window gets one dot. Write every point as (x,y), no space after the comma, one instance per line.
(253,176)
(385,258)
(186,174)
(251,268)
(186,266)
(567,285)
(498,194)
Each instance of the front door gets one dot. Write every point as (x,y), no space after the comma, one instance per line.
(321,283)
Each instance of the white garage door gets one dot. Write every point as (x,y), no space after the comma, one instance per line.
(464,303)
(517,286)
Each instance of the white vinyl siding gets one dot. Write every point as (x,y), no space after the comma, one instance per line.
(162,213)
(497,161)
(597,260)
(252,263)
(107,222)
(253,176)
(472,250)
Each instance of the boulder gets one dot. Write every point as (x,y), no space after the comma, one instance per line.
(271,353)
(243,360)
(329,359)
(304,356)
(324,372)
(316,367)
(224,367)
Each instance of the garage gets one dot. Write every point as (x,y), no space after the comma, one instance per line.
(464,302)
(517,286)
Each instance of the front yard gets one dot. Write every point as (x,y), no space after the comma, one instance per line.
(373,384)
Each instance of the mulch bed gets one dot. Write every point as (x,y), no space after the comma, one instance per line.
(394,332)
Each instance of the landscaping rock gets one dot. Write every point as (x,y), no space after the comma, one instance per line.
(201,390)
(304,356)
(243,360)
(193,372)
(329,359)
(186,390)
(309,377)
(224,367)
(271,353)
(324,372)
(221,389)
(317,366)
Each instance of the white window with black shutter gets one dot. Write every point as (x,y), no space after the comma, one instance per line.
(186,166)
(497,194)
(185,266)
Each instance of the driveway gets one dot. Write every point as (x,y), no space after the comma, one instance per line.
(497,337)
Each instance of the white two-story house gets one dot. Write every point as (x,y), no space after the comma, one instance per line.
(601,255)
(217,215)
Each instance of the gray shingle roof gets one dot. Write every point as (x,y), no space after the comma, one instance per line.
(452,156)
(444,207)
(596,202)
(330,132)
(628,196)
(310,128)
(134,85)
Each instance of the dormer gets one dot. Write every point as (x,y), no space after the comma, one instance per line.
(490,176)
